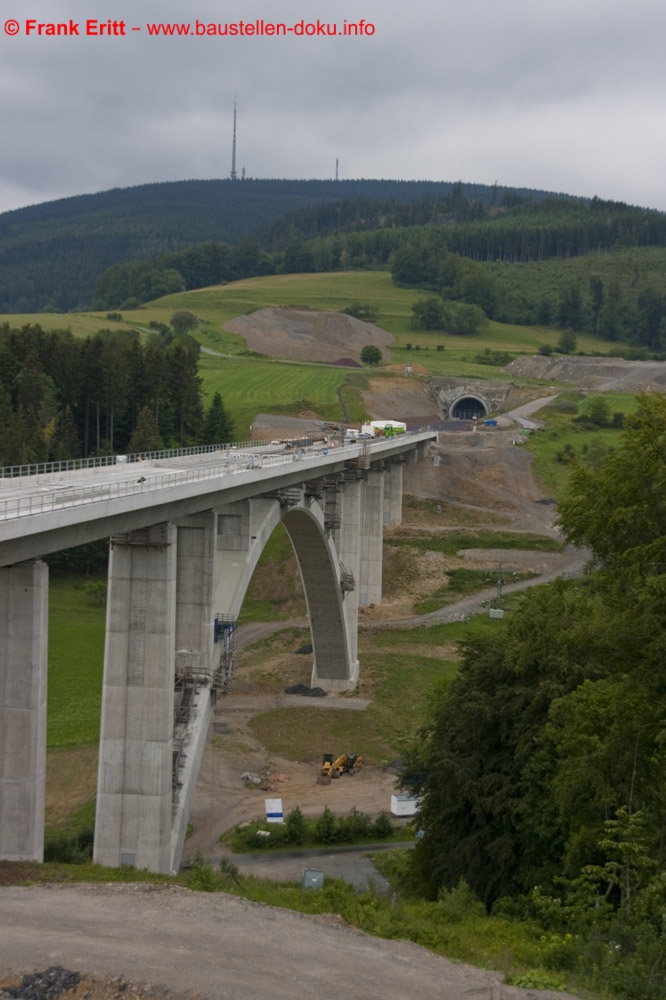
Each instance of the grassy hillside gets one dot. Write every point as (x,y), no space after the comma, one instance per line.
(339,290)
(565,440)
(251,384)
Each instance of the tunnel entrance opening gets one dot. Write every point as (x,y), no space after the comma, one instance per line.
(468,408)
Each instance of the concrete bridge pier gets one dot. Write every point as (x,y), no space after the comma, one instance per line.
(23,670)
(372,523)
(393,492)
(134,788)
(195,611)
(195,663)
(243,529)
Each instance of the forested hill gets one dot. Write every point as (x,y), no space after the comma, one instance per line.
(52,254)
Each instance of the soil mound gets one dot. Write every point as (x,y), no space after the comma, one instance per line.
(296,333)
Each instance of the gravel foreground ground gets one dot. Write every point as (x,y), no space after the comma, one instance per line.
(152,942)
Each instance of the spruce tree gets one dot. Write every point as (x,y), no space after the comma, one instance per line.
(218,426)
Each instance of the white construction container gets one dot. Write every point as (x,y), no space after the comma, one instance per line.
(404,805)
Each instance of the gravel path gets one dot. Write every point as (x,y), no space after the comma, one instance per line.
(224,948)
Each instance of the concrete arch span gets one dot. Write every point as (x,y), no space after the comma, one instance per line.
(335,665)
(333,614)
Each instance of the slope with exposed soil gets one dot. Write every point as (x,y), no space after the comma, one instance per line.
(298,333)
(599,374)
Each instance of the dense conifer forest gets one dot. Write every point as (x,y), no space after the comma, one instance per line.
(63,397)
(52,254)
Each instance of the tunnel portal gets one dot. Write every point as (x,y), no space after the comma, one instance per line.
(468,408)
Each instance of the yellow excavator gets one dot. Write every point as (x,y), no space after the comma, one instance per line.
(346,763)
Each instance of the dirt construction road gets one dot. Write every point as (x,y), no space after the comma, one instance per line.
(223,948)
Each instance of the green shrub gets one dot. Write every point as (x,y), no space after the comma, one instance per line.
(202,877)
(382,827)
(360,310)
(70,848)
(326,827)
(498,358)
(560,952)
(295,826)
(630,353)
(459,903)
(567,343)
(565,406)
(354,827)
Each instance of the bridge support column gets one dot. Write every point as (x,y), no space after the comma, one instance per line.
(372,524)
(195,614)
(348,544)
(195,658)
(134,788)
(23,669)
(393,494)
(243,529)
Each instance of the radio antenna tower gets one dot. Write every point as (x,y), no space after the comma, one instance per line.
(234,175)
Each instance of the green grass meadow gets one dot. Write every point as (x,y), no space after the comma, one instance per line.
(250,384)
(76,665)
(400,672)
(552,467)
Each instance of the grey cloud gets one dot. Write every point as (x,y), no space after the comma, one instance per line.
(564,96)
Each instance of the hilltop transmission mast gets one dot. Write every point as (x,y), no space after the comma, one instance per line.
(233,175)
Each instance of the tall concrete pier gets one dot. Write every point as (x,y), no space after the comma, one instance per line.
(134,786)
(23,668)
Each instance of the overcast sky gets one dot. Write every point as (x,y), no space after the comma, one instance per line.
(568,96)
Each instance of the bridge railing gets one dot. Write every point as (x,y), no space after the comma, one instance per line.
(98,461)
(58,498)
(55,497)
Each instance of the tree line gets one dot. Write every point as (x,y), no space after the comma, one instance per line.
(63,397)
(543,769)
(595,280)
(52,254)
(618,295)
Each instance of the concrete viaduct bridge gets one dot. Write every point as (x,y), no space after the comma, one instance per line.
(185,537)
